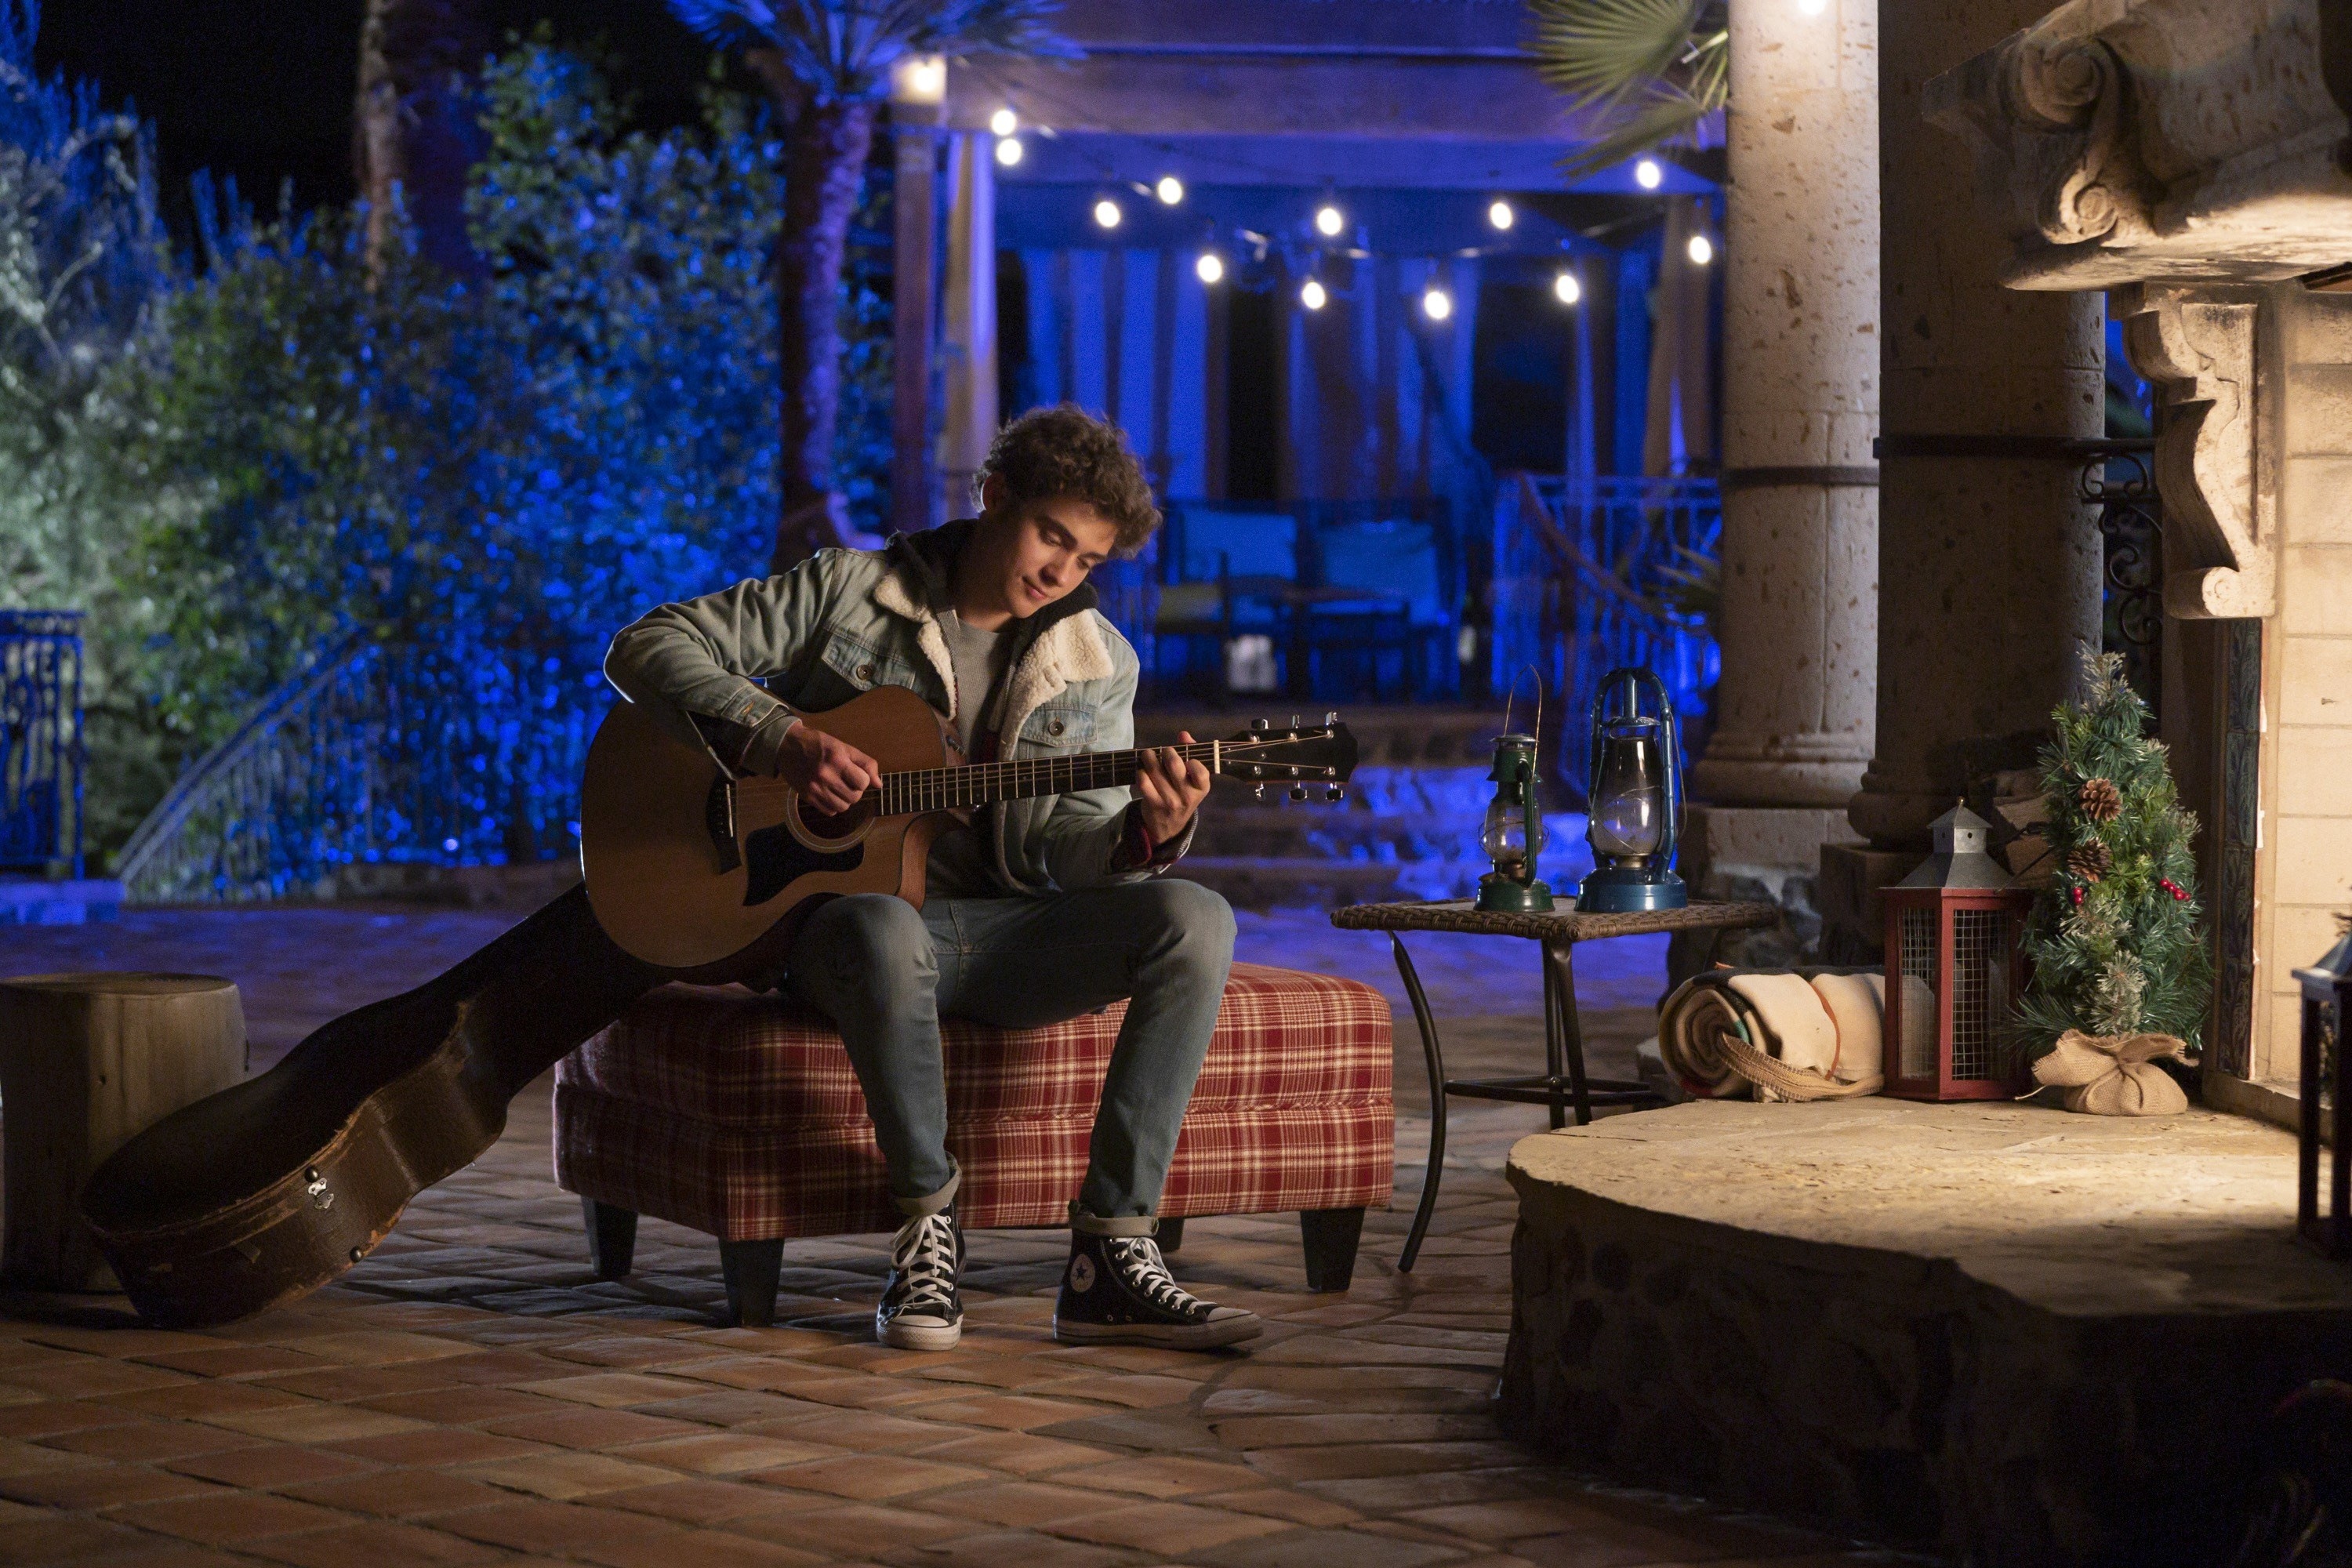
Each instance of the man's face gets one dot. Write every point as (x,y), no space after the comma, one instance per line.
(1034,553)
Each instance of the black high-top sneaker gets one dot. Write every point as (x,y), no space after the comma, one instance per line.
(921,1309)
(1116,1291)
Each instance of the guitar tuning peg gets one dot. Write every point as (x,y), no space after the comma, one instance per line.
(1258,793)
(1331,718)
(1294,720)
(1298,792)
(1335,793)
(1258,725)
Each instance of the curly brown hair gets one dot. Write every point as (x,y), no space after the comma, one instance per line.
(1066,451)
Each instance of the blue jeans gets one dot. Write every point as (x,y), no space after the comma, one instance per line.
(885,971)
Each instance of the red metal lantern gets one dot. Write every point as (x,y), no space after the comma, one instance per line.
(1954,969)
(2327,1076)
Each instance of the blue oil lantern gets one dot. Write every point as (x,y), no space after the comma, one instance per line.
(1635,793)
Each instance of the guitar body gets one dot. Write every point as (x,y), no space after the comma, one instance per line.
(655,834)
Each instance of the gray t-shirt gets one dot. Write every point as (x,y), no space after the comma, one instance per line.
(958,868)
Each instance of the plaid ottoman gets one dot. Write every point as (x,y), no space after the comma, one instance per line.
(736,1112)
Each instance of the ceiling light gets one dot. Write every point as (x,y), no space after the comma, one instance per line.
(1328,220)
(1436,303)
(1210,266)
(1311,295)
(1648,174)
(919,78)
(1008,151)
(1107,213)
(1004,122)
(1702,249)
(1566,288)
(1500,214)
(1170,190)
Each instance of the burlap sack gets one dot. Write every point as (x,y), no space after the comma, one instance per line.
(2114,1075)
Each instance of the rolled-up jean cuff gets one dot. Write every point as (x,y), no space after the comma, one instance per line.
(916,1208)
(1119,1224)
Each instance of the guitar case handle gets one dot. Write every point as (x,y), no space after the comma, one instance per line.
(719,818)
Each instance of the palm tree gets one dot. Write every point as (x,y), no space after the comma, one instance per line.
(1647,71)
(413,125)
(828,63)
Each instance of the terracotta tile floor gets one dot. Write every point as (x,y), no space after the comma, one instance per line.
(471,1394)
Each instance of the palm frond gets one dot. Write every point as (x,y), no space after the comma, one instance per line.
(845,48)
(1646,71)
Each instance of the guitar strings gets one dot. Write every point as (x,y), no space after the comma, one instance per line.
(933,789)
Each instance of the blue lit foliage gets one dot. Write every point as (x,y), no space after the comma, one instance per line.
(493,478)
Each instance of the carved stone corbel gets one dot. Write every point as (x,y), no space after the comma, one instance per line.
(2198,351)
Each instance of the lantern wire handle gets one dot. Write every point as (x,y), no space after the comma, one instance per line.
(1512,694)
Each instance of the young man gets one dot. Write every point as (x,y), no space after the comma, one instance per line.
(1038,910)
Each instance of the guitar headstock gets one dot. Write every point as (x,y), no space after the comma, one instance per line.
(1299,756)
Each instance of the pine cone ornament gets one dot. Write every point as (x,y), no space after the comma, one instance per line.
(2101,801)
(2089,860)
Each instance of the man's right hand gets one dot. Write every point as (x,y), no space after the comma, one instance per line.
(831,773)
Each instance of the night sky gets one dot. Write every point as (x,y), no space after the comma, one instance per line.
(262,88)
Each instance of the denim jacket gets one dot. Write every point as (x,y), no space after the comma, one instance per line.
(848,620)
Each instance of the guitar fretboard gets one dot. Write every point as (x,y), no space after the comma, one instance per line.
(943,789)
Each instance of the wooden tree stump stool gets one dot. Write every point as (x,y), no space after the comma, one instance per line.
(86,1061)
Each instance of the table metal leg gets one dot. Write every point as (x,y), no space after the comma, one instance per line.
(1435,1058)
(1564,1035)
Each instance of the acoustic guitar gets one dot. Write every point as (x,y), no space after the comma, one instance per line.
(687,866)
(275,1186)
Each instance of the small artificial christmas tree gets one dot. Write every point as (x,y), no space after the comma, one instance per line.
(2114,937)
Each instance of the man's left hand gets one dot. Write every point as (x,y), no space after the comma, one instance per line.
(1168,788)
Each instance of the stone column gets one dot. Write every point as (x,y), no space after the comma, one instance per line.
(1988,563)
(1801,405)
(913,262)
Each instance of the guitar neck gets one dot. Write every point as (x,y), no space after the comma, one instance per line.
(944,789)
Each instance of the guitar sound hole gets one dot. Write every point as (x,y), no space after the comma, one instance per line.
(842,824)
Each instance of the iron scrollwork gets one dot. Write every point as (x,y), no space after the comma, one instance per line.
(2120,480)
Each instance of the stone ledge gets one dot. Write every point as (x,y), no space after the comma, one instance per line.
(2029,1337)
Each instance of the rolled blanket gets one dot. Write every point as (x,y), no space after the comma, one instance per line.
(1780,1035)
(2114,1075)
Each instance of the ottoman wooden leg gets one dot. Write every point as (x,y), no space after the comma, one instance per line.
(1171,1234)
(612,1237)
(750,1268)
(1329,1237)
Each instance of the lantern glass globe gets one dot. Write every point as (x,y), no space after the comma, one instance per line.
(1702,250)
(1004,122)
(1211,267)
(1008,151)
(1649,173)
(1436,303)
(1107,214)
(1500,214)
(1170,190)
(1566,288)
(1328,220)
(1312,296)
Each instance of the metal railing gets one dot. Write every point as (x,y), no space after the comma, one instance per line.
(1589,577)
(375,753)
(41,742)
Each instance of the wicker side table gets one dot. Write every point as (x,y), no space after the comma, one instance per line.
(1563,1085)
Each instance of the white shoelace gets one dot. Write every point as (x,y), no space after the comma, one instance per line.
(924,1258)
(1138,1262)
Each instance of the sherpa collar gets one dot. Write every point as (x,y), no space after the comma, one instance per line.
(1058,647)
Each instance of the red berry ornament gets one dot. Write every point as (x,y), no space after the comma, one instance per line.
(2078,896)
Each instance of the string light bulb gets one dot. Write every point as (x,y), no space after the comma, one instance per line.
(1170,190)
(1648,174)
(919,78)
(1436,303)
(1311,295)
(1008,151)
(1107,214)
(1328,220)
(1566,288)
(1004,122)
(1500,213)
(1210,266)
(1701,249)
